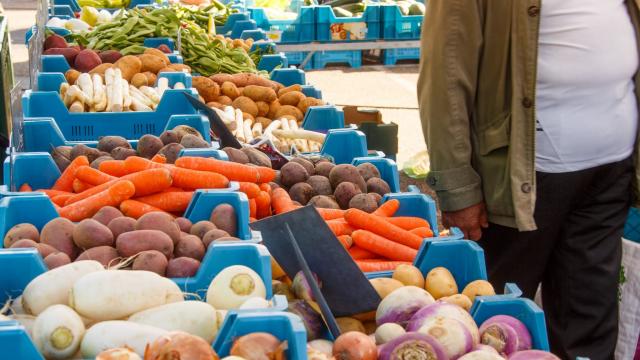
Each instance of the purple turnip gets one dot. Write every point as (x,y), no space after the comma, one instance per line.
(506,334)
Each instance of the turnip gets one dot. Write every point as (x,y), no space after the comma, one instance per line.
(399,306)
(387,332)
(233,286)
(116,294)
(193,317)
(412,345)
(506,334)
(52,287)
(454,337)
(57,332)
(443,309)
(481,355)
(321,345)
(114,334)
(533,355)
(221,315)
(254,303)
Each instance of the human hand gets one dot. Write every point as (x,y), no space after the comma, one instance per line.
(470,220)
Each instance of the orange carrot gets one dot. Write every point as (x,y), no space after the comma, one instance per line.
(378,225)
(136,209)
(252,190)
(160,159)
(265,187)
(65,181)
(60,199)
(265,174)
(407,222)
(113,196)
(92,176)
(389,208)
(423,232)
(281,201)
(113,168)
(263,205)
(252,219)
(168,201)
(331,214)
(373,266)
(340,227)
(195,179)
(25,188)
(383,246)
(52,193)
(172,189)
(80,186)
(253,208)
(358,253)
(232,171)
(346,241)
(136,163)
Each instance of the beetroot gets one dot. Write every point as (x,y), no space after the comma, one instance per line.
(69,54)
(55,41)
(110,56)
(87,60)
(164,48)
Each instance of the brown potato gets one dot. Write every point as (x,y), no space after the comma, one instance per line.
(131,243)
(105,255)
(45,250)
(344,192)
(224,100)
(368,171)
(121,225)
(129,65)
(364,202)
(347,173)
(184,224)
(213,235)
(180,68)
(378,186)
(149,145)
(236,155)
(59,234)
(151,78)
(71,76)
(260,93)
(139,80)
(21,231)
(151,260)
(183,130)
(190,246)
(56,260)
(215,104)
(229,89)
(263,108)
(224,218)
(274,107)
(256,156)
(264,121)
(200,228)
(100,69)
(302,192)
(158,53)
(324,202)
(151,63)
(324,168)
(106,214)
(289,110)
(159,221)
(246,105)
(193,142)
(320,185)
(292,98)
(108,143)
(247,116)
(292,173)
(295,87)
(182,267)
(91,233)
(308,102)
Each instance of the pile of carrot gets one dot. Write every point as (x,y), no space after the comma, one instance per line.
(138,185)
(376,241)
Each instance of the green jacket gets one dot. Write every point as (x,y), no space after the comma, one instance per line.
(477,91)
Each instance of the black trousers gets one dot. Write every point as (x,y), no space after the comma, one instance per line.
(575,254)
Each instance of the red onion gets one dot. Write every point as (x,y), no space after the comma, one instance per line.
(399,306)
(452,334)
(312,320)
(446,310)
(533,355)
(506,334)
(412,346)
(481,355)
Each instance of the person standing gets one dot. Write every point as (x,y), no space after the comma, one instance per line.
(530,114)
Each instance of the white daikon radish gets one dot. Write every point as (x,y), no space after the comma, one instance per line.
(115,334)
(86,85)
(194,317)
(163,84)
(126,97)
(225,118)
(116,294)
(57,332)
(302,144)
(240,126)
(25,320)
(76,107)
(255,303)
(275,124)
(108,81)
(52,287)
(230,112)
(178,85)
(257,130)
(76,93)
(150,93)
(247,130)
(99,94)
(299,134)
(233,286)
(138,95)
(285,126)
(117,101)
(136,105)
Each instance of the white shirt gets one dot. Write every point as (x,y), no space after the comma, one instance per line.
(585,100)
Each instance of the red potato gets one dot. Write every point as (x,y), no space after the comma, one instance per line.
(182,267)
(45,250)
(24,243)
(106,214)
(213,235)
(86,60)
(134,242)
(184,224)
(224,217)
(200,228)
(90,233)
(105,255)
(160,221)
(56,260)
(190,246)
(59,234)
(70,54)
(151,260)
(21,231)
(121,225)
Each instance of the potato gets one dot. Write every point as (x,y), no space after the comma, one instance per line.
(409,275)
(246,105)
(151,78)
(368,171)
(344,192)
(45,250)
(179,68)
(364,202)
(158,53)
(200,228)
(193,142)
(274,106)
(59,234)
(347,173)
(478,288)
(224,100)
(133,242)
(151,260)
(263,108)
(105,255)
(108,143)
(256,156)
(308,102)
(263,121)
(324,202)
(259,93)
(149,145)
(100,69)
(224,218)
(106,214)
(139,80)
(385,286)
(121,225)
(308,165)
(183,130)
(129,65)
(151,63)
(71,76)
(201,82)
(24,243)
(378,186)
(171,152)
(96,163)
(458,299)
(110,56)
(302,193)
(210,93)
(21,231)
(291,88)
(184,224)
(288,110)
(190,246)
(440,283)
(86,60)
(377,197)
(320,185)
(236,155)
(324,168)
(79,150)
(56,260)
(91,233)
(159,221)
(213,235)
(169,137)
(291,98)
(292,173)
(229,89)
(182,267)
(121,153)
(347,324)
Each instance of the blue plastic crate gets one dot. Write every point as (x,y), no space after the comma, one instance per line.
(632,226)
(289,76)
(353,58)
(297,57)
(392,56)
(241,26)
(310,90)
(332,28)
(231,21)
(396,26)
(257,35)
(272,62)
(283,325)
(323,118)
(300,30)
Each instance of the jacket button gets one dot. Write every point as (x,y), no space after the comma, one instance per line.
(527,102)
(526,188)
(533,11)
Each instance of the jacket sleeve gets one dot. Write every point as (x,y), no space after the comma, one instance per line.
(450,49)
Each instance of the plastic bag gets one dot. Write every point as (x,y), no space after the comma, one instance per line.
(417,167)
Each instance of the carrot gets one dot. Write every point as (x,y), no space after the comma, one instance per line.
(389,208)
(378,225)
(408,222)
(25,188)
(423,232)
(113,168)
(281,201)
(252,190)
(60,199)
(172,189)
(136,163)
(80,186)
(168,201)
(113,196)
(160,159)
(92,176)
(253,209)
(136,209)
(358,253)
(340,227)
(195,179)
(265,174)
(331,214)
(373,266)
(263,205)
(232,171)
(383,246)
(252,219)
(65,181)
(265,187)
(52,193)
(346,241)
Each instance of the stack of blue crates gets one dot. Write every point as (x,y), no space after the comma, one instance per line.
(396,26)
